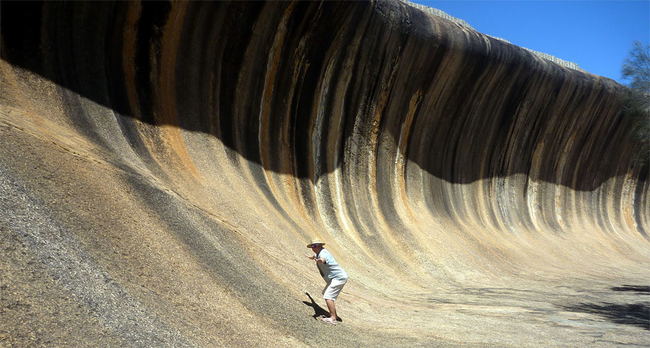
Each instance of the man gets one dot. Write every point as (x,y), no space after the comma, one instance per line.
(332,273)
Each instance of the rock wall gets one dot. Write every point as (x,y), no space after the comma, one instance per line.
(164,165)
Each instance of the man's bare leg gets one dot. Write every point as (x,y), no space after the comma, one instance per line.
(332,309)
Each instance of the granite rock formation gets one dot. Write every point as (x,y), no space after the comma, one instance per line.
(164,164)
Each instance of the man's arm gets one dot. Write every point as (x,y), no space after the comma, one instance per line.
(320,260)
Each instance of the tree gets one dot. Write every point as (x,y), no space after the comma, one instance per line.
(636,99)
(637,68)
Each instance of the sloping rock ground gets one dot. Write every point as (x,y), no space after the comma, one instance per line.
(163,165)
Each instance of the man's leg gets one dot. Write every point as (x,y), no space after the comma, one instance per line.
(332,309)
(331,293)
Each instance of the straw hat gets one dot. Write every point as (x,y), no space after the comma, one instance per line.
(314,242)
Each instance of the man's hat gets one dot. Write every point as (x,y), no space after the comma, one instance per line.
(314,242)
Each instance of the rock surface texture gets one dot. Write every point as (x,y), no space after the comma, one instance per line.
(163,166)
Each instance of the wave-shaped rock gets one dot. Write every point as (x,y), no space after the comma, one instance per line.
(164,164)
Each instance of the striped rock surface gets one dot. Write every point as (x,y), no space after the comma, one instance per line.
(163,166)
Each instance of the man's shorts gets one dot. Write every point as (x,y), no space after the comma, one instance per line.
(332,289)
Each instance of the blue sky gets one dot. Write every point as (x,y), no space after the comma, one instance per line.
(596,35)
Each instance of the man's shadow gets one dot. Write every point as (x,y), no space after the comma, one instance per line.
(318,310)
